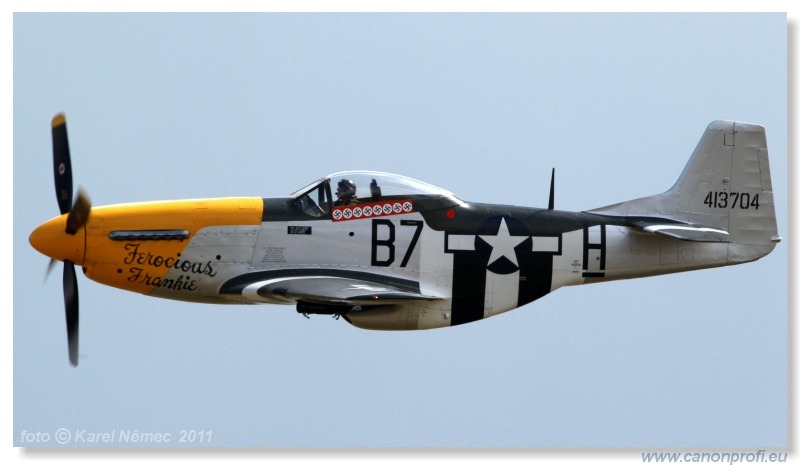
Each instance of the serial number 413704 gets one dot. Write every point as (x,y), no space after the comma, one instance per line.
(741,200)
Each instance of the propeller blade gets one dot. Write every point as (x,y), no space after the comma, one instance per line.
(79,214)
(50,266)
(71,309)
(62,166)
(552,202)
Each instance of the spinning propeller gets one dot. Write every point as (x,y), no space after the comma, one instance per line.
(63,238)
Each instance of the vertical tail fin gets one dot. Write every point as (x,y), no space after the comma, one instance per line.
(725,188)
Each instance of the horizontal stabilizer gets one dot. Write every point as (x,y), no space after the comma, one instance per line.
(686,232)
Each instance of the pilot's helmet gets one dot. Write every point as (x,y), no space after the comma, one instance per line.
(346,189)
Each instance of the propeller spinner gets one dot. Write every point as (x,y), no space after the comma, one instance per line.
(64,238)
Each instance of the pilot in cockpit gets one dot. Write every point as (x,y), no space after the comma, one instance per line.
(346,193)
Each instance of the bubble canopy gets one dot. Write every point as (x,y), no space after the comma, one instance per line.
(316,198)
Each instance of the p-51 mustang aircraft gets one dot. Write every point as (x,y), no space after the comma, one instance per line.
(388,252)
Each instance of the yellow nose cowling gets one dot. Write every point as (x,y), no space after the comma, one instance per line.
(51,240)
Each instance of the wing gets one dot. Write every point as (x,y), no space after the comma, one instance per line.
(323,286)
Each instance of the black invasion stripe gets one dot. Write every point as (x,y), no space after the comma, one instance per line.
(536,276)
(469,286)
